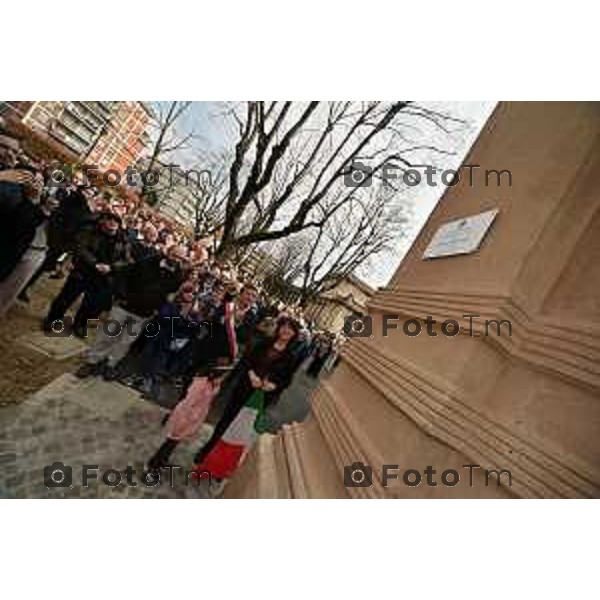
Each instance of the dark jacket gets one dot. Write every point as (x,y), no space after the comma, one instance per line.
(67,219)
(278,367)
(19,220)
(93,246)
(245,329)
(145,285)
(300,350)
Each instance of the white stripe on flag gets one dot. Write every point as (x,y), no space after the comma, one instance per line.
(241,431)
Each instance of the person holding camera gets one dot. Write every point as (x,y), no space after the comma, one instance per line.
(100,253)
(22,211)
(66,220)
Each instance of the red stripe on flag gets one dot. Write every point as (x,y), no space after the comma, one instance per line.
(222,460)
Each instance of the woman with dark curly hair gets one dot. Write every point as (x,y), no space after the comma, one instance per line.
(267,366)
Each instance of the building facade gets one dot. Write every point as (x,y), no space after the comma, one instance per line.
(125,137)
(36,138)
(178,196)
(349,297)
(112,135)
(76,125)
(510,415)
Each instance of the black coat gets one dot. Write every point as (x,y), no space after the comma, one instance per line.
(92,246)
(145,285)
(19,220)
(279,369)
(67,219)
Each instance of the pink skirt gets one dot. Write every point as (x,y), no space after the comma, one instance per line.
(187,417)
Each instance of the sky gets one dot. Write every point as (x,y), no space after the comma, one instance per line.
(425,198)
(214,133)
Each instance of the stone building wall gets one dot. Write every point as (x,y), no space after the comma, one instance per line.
(528,403)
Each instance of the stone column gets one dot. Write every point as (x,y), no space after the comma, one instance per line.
(529,402)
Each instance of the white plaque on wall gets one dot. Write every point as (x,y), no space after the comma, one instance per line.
(462,236)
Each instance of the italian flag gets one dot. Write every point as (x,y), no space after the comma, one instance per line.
(231,449)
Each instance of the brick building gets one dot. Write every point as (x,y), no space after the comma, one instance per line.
(124,137)
(111,134)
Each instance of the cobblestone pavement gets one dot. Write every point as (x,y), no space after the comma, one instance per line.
(87,422)
(93,422)
(294,404)
(48,415)
(24,370)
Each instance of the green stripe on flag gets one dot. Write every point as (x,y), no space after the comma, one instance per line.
(256,400)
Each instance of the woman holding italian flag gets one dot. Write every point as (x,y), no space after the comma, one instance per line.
(267,366)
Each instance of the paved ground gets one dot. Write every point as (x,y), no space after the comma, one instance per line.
(47,415)
(76,423)
(24,370)
(294,404)
(92,422)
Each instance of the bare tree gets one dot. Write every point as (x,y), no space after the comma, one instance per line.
(283,265)
(291,163)
(356,234)
(167,140)
(315,261)
(207,193)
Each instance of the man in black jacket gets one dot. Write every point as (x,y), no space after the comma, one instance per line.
(100,254)
(64,224)
(141,289)
(20,215)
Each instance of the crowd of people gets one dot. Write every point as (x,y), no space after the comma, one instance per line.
(175,317)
